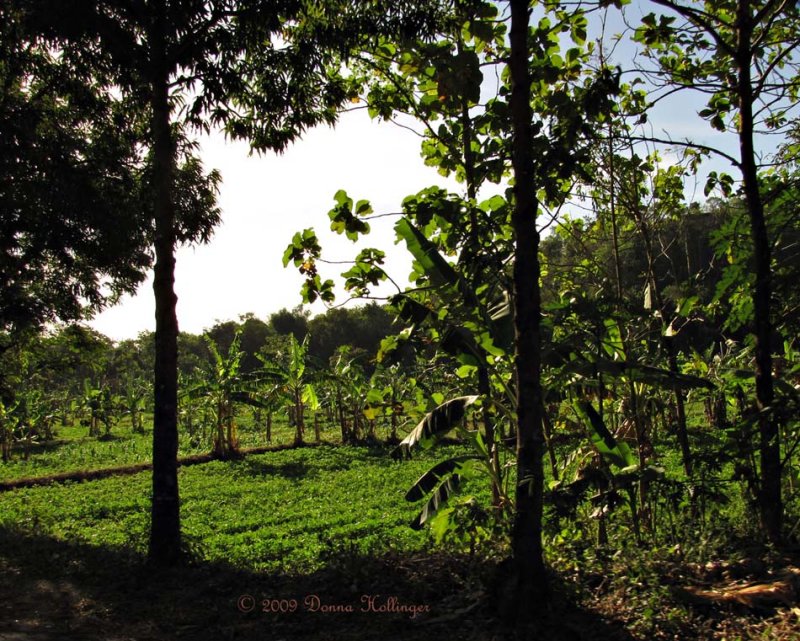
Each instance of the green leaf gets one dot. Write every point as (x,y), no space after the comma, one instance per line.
(434,426)
(310,397)
(637,372)
(409,310)
(436,474)
(438,500)
(687,305)
(502,325)
(435,267)
(613,344)
(363,208)
(617,453)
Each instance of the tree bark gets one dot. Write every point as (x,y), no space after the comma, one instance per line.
(530,586)
(165,536)
(769,499)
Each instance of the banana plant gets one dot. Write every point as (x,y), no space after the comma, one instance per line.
(224,386)
(93,403)
(443,480)
(133,402)
(7,425)
(390,395)
(293,381)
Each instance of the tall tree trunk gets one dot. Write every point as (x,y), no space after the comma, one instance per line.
(770,502)
(666,341)
(530,587)
(484,386)
(165,535)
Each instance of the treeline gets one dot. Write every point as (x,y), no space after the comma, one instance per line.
(62,362)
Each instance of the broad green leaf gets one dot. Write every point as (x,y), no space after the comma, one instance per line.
(613,344)
(310,397)
(436,268)
(617,453)
(637,372)
(438,499)
(687,305)
(434,426)
(436,474)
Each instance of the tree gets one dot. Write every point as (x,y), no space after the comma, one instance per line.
(293,322)
(751,80)
(360,327)
(486,237)
(530,573)
(71,186)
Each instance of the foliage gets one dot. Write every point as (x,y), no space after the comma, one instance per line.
(74,212)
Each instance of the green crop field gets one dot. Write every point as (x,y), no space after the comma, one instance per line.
(73,450)
(279,511)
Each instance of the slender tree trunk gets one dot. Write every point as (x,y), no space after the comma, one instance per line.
(342,418)
(548,435)
(666,343)
(298,418)
(485,390)
(232,445)
(530,579)
(613,212)
(165,535)
(770,502)
(484,386)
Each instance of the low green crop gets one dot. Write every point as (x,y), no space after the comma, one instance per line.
(281,511)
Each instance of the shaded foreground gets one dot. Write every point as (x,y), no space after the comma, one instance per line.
(323,532)
(53,591)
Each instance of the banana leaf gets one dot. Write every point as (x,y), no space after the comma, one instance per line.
(434,426)
(426,254)
(434,476)
(409,310)
(616,453)
(637,372)
(438,500)
(249,398)
(502,325)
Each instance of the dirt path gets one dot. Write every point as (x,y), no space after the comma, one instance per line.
(122,470)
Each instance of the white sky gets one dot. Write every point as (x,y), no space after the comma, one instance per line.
(264,201)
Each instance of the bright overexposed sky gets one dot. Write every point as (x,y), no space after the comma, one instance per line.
(264,201)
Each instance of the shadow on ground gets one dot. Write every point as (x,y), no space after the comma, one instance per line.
(53,591)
